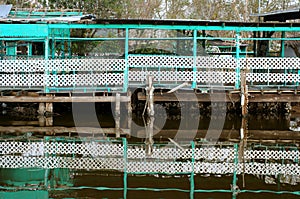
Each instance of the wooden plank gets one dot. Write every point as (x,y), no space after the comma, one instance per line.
(60,129)
(61,99)
(222,97)
(284,97)
(204,97)
(227,134)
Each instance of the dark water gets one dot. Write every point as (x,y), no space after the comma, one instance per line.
(88,181)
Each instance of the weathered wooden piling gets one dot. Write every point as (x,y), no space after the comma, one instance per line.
(150,111)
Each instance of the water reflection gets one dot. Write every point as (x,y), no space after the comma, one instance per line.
(267,156)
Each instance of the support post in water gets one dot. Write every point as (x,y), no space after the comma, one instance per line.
(42,109)
(150,111)
(244,93)
(150,96)
(117,114)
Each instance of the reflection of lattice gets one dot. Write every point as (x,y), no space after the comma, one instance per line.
(271,154)
(164,159)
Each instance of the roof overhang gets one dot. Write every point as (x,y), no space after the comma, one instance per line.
(280,15)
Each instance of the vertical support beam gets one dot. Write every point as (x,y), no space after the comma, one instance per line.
(29,49)
(11,49)
(46,155)
(42,108)
(194,85)
(47,73)
(234,180)
(254,44)
(125,168)
(192,182)
(117,114)
(237,54)
(49,113)
(46,48)
(129,113)
(125,84)
(282,44)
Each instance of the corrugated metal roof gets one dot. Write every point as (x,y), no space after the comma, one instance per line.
(4,10)
(49,19)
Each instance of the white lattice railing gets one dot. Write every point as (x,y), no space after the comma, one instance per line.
(164,159)
(99,73)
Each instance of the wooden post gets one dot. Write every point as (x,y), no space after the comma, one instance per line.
(150,93)
(150,119)
(244,93)
(117,114)
(149,136)
(41,110)
(41,119)
(49,108)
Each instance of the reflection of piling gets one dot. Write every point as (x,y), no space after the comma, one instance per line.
(150,111)
(149,135)
(244,125)
(243,145)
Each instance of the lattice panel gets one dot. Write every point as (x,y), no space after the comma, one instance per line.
(269,169)
(94,79)
(86,65)
(216,62)
(160,61)
(270,63)
(22,66)
(272,77)
(214,168)
(26,80)
(159,167)
(216,77)
(271,154)
(161,76)
(10,161)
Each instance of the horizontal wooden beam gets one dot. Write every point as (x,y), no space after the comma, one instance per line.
(58,99)
(204,97)
(222,97)
(227,134)
(49,130)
